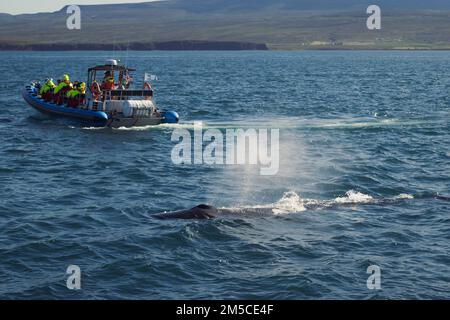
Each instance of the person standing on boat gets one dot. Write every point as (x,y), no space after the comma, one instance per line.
(61,89)
(108,82)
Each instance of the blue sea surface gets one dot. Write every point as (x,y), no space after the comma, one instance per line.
(364,172)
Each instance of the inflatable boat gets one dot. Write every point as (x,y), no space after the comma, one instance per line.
(115,107)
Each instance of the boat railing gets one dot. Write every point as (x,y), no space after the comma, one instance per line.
(118,95)
(126,94)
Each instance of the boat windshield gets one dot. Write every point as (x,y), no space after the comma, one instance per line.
(112,81)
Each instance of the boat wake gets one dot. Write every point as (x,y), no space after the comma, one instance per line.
(285,123)
(139,128)
(308,124)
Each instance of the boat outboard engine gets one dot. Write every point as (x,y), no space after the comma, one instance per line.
(170,117)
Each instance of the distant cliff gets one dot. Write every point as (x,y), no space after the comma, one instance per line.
(169,45)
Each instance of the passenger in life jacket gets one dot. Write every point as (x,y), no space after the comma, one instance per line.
(58,82)
(76,96)
(47,89)
(82,92)
(61,89)
(44,86)
(108,82)
(71,96)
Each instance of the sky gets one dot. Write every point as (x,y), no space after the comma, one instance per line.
(33,6)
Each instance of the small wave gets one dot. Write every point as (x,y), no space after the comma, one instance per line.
(17,151)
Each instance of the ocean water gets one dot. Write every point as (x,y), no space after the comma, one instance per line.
(364,172)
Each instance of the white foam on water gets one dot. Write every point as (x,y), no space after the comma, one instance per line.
(291,202)
(186,125)
(283,123)
(142,128)
(89,128)
(353,196)
(403,196)
(355,123)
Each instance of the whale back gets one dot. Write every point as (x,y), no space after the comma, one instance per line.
(201,212)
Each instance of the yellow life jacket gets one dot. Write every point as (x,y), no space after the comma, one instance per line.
(44,88)
(60,86)
(72,93)
(82,88)
(47,86)
(109,79)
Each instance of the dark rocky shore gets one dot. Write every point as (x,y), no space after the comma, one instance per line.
(169,45)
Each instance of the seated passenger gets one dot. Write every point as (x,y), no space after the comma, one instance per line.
(61,89)
(82,92)
(77,95)
(44,87)
(47,89)
(54,95)
(71,97)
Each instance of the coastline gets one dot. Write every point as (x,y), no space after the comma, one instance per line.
(194,45)
(190,45)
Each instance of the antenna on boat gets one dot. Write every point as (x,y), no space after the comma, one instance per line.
(126,57)
(114,48)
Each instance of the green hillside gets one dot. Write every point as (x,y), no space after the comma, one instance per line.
(284,24)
